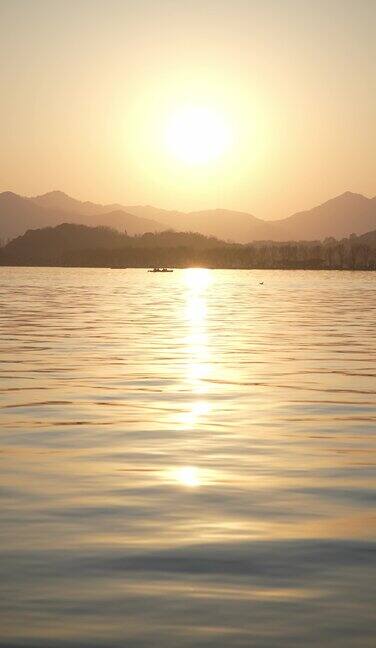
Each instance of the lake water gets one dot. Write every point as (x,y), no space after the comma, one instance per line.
(187,460)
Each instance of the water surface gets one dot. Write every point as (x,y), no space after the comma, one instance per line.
(187,460)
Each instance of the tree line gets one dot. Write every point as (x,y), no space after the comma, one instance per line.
(82,246)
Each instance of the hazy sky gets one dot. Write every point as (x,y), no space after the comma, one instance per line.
(90,88)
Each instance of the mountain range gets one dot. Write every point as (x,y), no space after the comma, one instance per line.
(338,218)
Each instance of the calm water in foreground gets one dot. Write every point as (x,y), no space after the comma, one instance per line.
(187,460)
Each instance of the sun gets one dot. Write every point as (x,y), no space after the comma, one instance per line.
(197,135)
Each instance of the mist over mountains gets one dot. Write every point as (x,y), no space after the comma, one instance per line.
(338,218)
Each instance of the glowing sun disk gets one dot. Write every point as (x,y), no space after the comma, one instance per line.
(197,135)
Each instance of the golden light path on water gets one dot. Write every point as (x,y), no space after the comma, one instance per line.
(197,281)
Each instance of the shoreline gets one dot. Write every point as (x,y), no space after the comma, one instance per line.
(185,267)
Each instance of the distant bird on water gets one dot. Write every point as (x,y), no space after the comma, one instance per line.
(261,283)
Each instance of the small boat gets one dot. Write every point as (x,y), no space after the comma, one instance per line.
(161,270)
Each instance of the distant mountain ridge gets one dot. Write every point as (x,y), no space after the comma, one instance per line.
(338,218)
(18,214)
(60,200)
(222,223)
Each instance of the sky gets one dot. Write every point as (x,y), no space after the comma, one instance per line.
(264,106)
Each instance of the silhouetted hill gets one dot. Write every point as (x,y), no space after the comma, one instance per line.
(77,245)
(120,220)
(225,224)
(49,243)
(172,239)
(338,217)
(60,200)
(53,243)
(18,214)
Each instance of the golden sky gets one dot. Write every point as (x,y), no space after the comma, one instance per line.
(266,106)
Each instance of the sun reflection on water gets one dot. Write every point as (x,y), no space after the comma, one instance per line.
(191,417)
(188,476)
(197,342)
(197,369)
(198,278)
